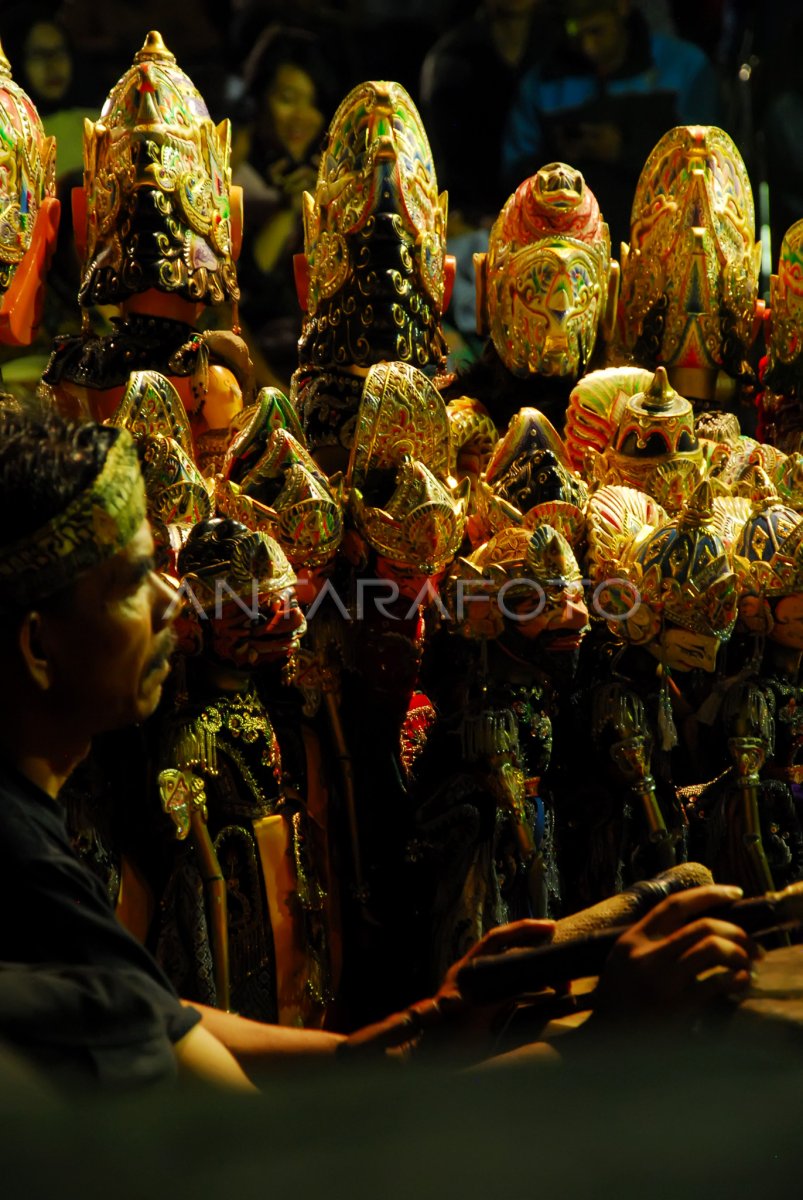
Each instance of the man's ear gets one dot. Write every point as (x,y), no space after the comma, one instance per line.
(32,643)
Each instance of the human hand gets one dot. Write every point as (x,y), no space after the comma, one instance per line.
(456,1024)
(518,935)
(468,1028)
(675,960)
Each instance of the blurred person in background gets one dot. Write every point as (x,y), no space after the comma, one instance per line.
(290,94)
(468,83)
(602,100)
(48,66)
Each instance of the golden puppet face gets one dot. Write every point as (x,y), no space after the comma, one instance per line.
(28,210)
(686,650)
(786,300)
(690,274)
(544,305)
(375,229)
(159,211)
(546,275)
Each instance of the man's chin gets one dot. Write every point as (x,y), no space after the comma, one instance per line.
(151,692)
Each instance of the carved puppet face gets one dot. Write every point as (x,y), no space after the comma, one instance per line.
(546,273)
(528,596)
(158,209)
(241,608)
(374,278)
(690,274)
(685,650)
(787,629)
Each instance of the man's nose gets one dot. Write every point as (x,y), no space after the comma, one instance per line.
(166,603)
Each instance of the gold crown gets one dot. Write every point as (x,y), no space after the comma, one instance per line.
(693,259)
(27,172)
(529,430)
(152,412)
(614,517)
(682,571)
(176,490)
(151,406)
(422,524)
(305,509)
(376,131)
(768,556)
(254,563)
(158,189)
(655,447)
(596,404)
(541,555)
(529,469)
(254,425)
(471,428)
(402,415)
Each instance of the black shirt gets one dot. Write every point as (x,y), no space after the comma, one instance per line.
(99,995)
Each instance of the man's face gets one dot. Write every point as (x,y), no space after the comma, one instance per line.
(112,643)
(601,37)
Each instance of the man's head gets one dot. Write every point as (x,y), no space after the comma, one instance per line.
(85,627)
(598,30)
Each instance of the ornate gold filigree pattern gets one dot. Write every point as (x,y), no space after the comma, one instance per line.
(158,186)
(27,171)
